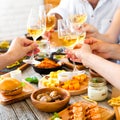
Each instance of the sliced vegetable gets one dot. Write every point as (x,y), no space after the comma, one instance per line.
(32,79)
(56,117)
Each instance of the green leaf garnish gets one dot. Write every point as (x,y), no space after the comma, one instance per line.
(94,80)
(56,115)
(32,79)
(22,84)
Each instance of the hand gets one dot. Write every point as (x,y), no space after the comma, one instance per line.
(101,48)
(91,31)
(20,47)
(77,55)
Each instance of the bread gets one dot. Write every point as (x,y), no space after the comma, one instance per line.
(10,86)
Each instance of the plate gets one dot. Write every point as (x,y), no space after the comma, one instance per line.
(27,90)
(4,45)
(106,114)
(6,70)
(77,63)
(46,70)
(83,87)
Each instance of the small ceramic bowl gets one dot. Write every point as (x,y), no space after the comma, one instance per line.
(63,76)
(51,106)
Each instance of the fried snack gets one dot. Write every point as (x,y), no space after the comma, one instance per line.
(77,111)
(47,63)
(114,101)
(84,111)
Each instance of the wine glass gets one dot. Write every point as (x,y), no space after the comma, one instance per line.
(67,36)
(50,22)
(78,21)
(36,26)
(50,18)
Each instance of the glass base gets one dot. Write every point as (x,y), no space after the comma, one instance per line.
(31,61)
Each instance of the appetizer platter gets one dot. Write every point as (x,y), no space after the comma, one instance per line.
(75,84)
(47,65)
(86,110)
(17,91)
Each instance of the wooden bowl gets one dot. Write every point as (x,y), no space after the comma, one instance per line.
(51,106)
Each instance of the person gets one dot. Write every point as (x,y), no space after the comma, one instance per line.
(99,12)
(19,48)
(109,70)
(111,35)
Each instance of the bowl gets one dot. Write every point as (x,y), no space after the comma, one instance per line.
(51,106)
(45,69)
(77,63)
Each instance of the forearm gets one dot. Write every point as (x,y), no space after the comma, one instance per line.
(107,69)
(106,37)
(115,51)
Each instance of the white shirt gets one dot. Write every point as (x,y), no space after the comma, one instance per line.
(100,17)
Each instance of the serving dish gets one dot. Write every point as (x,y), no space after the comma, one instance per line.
(76,63)
(50,106)
(82,89)
(27,90)
(53,65)
(106,114)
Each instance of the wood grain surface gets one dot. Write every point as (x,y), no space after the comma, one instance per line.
(27,90)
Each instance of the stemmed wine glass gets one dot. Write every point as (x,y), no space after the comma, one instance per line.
(36,27)
(50,22)
(78,21)
(67,36)
(50,18)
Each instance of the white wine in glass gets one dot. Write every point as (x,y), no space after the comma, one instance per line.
(67,36)
(50,18)
(36,27)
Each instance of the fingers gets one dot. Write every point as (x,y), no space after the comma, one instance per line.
(77,46)
(35,52)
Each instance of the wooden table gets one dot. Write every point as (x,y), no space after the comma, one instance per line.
(24,110)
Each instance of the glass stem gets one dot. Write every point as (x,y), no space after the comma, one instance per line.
(75,67)
(32,55)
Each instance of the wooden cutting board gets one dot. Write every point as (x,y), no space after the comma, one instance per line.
(68,64)
(83,88)
(27,90)
(106,114)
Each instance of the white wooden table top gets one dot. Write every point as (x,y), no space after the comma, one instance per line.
(13,20)
(24,110)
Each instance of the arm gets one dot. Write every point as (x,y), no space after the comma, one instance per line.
(110,71)
(114,29)
(111,35)
(91,31)
(61,11)
(19,48)
(104,49)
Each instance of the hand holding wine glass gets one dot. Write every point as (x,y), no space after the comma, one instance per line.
(36,27)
